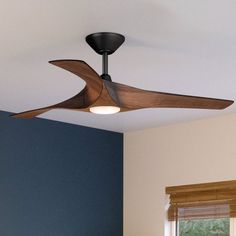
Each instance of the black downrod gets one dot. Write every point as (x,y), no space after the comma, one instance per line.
(105,74)
(105,63)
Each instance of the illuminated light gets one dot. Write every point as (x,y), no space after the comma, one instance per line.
(104,110)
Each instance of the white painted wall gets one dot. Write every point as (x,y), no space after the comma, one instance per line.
(194,152)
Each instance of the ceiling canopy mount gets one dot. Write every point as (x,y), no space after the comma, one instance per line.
(105,42)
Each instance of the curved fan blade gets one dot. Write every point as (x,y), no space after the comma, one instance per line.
(85,72)
(134,98)
(31,113)
(79,101)
(85,98)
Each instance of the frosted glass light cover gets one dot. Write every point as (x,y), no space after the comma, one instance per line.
(104,110)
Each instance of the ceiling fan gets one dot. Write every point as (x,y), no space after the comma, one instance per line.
(102,96)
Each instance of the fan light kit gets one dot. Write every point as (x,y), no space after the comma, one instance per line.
(104,110)
(102,96)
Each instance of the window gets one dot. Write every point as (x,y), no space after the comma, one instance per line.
(205,227)
(203,209)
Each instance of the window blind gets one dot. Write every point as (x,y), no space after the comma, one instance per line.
(202,201)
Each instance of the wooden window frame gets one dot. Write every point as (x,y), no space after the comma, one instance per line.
(199,201)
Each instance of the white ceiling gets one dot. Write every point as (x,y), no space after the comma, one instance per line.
(184,46)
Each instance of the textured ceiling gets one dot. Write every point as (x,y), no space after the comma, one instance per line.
(184,46)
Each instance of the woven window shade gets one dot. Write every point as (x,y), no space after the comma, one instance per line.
(202,201)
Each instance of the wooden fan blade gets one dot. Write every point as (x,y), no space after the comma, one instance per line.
(79,101)
(85,72)
(92,90)
(31,113)
(134,98)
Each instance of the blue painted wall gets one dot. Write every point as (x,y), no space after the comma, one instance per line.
(58,179)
